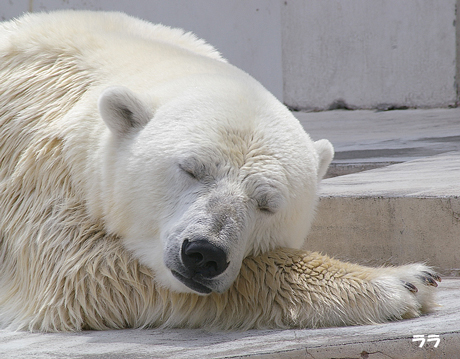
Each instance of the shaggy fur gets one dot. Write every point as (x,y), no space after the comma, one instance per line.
(62,269)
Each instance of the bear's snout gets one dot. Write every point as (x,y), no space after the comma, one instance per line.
(203,258)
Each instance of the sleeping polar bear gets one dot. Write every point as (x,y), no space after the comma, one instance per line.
(144,181)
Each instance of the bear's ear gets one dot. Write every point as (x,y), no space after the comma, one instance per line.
(325,154)
(122,110)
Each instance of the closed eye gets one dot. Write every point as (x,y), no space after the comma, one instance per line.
(188,171)
(267,198)
(265,210)
(268,205)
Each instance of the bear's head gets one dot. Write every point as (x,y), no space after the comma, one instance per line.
(196,179)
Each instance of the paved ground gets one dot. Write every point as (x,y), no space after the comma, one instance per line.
(363,140)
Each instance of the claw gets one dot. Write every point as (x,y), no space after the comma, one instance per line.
(435,276)
(410,286)
(430,278)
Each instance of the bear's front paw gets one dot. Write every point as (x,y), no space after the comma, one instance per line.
(408,291)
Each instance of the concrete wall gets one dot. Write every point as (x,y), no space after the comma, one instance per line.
(314,53)
(369,53)
(457,22)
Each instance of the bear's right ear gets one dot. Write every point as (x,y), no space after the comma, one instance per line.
(325,153)
(122,111)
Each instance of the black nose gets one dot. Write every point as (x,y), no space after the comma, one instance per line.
(203,258)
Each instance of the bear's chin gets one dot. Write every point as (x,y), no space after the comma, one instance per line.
(189,282)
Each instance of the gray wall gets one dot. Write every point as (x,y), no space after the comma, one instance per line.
(314,53)
(369,53)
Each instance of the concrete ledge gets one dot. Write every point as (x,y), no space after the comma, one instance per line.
(403,213)
(392,340)
(366,140)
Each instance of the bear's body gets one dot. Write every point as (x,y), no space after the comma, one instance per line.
(138,169)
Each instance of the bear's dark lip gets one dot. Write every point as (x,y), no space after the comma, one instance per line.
(189,282)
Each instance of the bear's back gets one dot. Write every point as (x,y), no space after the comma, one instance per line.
(70,29)
(116,49)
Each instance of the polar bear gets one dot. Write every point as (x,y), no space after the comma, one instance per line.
(145,181)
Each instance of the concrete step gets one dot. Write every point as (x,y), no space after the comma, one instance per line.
(368,139)
(398,214)
(405,206)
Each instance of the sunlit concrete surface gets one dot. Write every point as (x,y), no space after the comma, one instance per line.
(371,139)
(408,212)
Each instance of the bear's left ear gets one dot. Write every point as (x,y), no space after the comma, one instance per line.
(122,110)
(325,155)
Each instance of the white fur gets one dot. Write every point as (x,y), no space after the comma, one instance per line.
(119,140)
(190,106)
